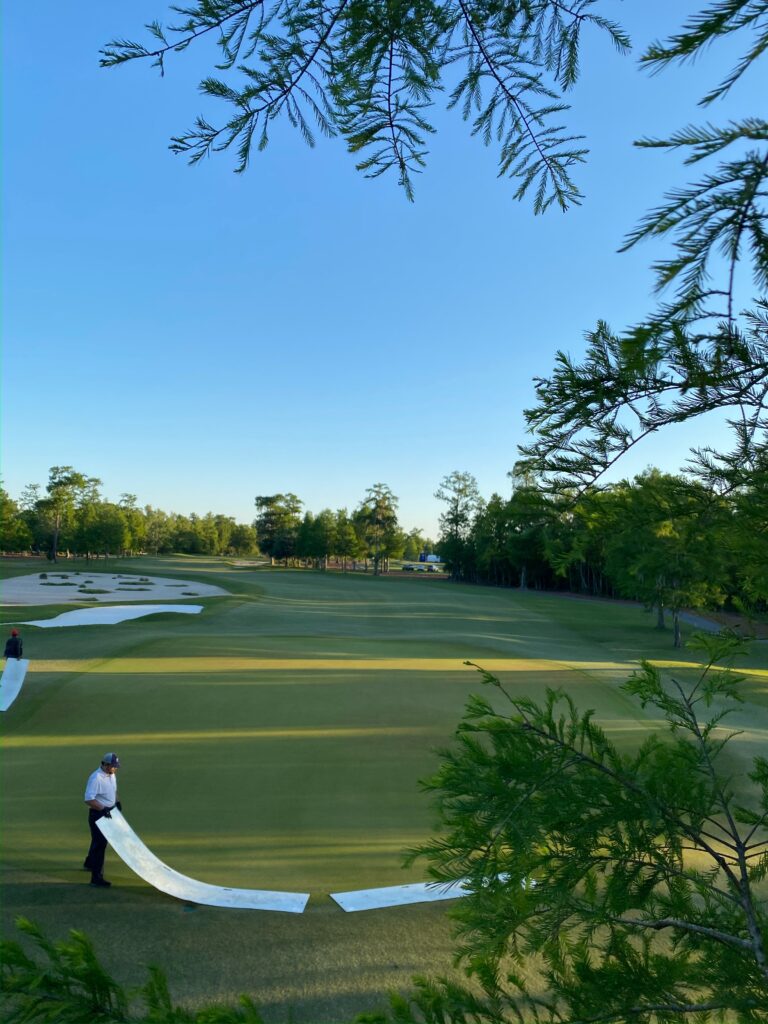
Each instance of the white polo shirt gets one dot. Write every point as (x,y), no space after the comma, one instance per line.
(101,787)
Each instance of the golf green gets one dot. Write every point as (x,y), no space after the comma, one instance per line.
(276,741)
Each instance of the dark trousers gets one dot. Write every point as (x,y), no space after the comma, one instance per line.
(95,858)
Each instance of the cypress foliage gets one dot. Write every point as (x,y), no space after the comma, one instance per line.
(605,884)
(70,986)
(369,72)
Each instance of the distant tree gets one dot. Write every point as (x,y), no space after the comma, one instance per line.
(110,531)
(65,486)
(243,540)
(35,520)
(347,541)
(83,533)
(664,547)
(15,534)
(183,535)
(414,545)
(224,525)
(745,538)
(377,515)
(529,513)
(460,493)
(206,532)
(485,553)
(305,545)
(136,522)
(575,541)
(158,530)
(324,536)
(277,524)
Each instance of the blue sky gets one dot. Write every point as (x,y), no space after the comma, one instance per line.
(197,337)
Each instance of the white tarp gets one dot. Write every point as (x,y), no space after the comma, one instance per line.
(113,614)
(130,849)
(11,680)
(398,895)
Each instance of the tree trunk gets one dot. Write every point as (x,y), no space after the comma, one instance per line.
(55,540)
(524,578)
(678,641)
(660,624)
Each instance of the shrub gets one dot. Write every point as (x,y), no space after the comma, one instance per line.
(71,986)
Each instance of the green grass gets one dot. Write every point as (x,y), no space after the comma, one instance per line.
(276,741)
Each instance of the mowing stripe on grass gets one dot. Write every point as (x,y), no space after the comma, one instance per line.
(224,734)
(188,666)
(196,666)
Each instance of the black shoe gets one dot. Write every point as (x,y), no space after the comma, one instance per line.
(86,866)
(100,883)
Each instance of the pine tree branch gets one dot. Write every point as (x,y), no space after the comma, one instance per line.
(687,926)
(511,97)
(746,209)
(669,871)
(743,885)
(117,52)
(642,1011)
(628,784)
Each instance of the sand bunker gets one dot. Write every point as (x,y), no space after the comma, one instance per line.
(62,587)
(112,615)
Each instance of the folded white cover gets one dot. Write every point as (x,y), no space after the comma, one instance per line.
(140,859)
(398,895)
(11,680)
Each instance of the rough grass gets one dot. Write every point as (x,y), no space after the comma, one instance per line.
(276,741)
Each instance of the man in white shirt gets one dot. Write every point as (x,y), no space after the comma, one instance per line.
(101,797)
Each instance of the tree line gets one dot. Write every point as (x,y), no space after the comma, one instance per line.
(71,515)
(669,541)
(370,533)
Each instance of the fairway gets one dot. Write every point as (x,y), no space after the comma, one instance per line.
(276,741)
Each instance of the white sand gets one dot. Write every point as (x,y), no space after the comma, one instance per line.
(112,615)
(30,589)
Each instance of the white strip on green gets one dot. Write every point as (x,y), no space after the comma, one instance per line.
(399,895)
(151,869)
(11,680)
(112,614)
